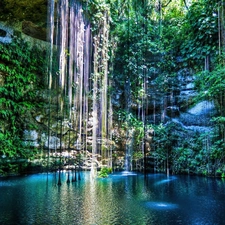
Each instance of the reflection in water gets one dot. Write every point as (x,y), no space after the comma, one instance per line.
(122,198)
(161,205)
(128,173)
(171,178)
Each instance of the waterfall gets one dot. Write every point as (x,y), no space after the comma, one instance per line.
(95,108)
(71,51)
(129,150)
(78,72)
(100,86)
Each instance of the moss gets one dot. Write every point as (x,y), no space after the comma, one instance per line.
(19,10)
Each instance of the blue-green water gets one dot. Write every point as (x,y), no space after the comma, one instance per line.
(122,198)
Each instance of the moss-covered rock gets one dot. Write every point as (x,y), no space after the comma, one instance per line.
(19,10)
(33,30)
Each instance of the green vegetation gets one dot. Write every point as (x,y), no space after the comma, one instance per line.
(22,69)
(104,172)
(19,10)
(148,44)
(155,42)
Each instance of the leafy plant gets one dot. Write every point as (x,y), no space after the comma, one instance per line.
(104,172)
(22,69)
(201,29)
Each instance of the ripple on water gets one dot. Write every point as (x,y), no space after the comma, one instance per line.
(121,199)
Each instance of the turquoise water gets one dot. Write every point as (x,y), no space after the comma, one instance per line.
(122,198)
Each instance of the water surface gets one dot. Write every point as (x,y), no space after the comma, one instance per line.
(122,198)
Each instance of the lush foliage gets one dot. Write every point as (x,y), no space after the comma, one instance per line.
(201,27)
(104,172)
(149,43)
(35,11)
(153,44)
(22,70)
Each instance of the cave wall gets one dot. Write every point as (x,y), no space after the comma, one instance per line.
(28,18)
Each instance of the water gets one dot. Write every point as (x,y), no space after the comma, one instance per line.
(122,198)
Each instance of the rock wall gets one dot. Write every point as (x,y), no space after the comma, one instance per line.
(173,106)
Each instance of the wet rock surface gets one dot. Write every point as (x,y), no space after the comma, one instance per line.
(33,30)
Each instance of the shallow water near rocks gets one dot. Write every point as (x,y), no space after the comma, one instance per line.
(122,198)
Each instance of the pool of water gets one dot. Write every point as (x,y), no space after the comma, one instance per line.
(122,198)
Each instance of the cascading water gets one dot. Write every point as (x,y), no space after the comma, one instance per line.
(129,150)
(70,32)
(71,73)
(100,85)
